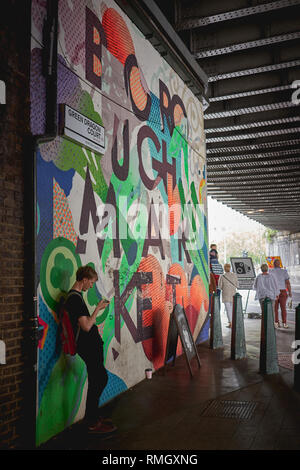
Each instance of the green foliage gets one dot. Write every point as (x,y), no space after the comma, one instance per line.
(236,243)
(269,234)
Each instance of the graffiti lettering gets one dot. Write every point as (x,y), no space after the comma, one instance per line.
(94,38)
(112,215)
(139,332)
(107,227)
(88,209)
(140,100)
(154,236)
(170,108)
(182,243)
(163,168)
(121,171)
(144,133)
(173,281)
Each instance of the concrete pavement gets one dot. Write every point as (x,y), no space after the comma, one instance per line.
(227,405)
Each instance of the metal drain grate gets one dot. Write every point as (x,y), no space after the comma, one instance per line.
(230,409)
(285,360)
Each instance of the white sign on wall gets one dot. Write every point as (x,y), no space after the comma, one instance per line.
(81,129)
(243,267)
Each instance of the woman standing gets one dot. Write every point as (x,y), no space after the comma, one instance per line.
(266,287)
(228,283)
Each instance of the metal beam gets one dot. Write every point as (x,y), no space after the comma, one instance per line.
(284,191)
(257,194)
(291,174)
(274,217)
(252,165)
(250,125)
(264,197)
(250,103)
(216,151)
(264,209)
(229,185)
(242,46)
(191,23)
(269,214)
(250,110)
(255,184)
(255,135)
(258,158)
(253,71)
(263,205)
(243,94)
(272,171)
(260,200)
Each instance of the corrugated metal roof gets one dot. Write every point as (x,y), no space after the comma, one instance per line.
(251,55)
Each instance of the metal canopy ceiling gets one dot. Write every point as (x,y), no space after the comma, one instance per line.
(250,51)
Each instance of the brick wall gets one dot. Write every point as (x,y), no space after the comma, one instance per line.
(14,130)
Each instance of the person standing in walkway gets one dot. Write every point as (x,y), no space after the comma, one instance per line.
(265,286)
(213,254)
(228,283)
(89,347)
(214,265)
(283,281)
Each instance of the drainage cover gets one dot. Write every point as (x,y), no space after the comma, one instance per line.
(285,359)
(230,409)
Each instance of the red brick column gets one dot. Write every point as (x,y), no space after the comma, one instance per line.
(15,20)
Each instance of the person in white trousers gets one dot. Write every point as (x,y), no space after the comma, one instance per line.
(266,286)
(228,283)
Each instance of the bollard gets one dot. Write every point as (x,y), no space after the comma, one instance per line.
(268,361)
(296,353)
(238,343)
(216,339)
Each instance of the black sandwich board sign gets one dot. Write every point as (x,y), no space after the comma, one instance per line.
(179,325)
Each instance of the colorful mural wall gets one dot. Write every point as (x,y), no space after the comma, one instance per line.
(136,212)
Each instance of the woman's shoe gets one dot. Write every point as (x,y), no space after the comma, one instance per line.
(285,325)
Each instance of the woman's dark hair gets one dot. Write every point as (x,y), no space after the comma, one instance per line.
(86,272)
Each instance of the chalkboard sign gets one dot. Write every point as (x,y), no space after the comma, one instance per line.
(179,325)
(172,340)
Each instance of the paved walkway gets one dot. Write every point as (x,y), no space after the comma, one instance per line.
(174,412)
